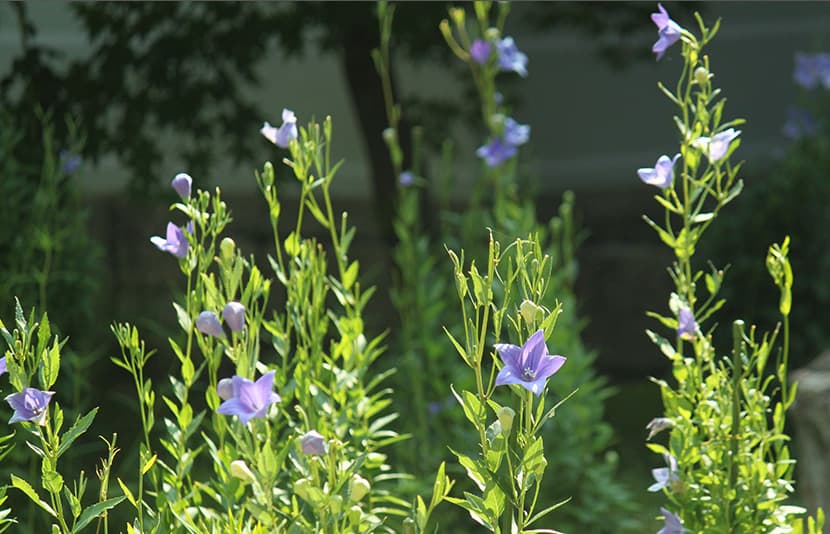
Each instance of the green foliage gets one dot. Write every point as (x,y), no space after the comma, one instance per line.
(729,466)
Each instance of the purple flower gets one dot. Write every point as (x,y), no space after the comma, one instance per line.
(3,368)
(283,135)
(313,443)
(686,324)
(496,152)
(673,524)
(70,162)
(182,183)
(664,476)
(250,399)
(799,124)
(511,59)
(668,31)
(406,178)
(480,51)
(812,70)
(514,133)
(175,243)
(716,147)
(530,365)
(661,174)
(208,323)
(29,405)
(234,315)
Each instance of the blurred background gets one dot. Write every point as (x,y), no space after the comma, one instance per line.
(122,96)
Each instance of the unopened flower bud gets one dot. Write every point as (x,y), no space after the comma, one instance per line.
(506,415)
(358,488)
(234,315)
(657,425)
(409,526)
(313,443)
(701,75)
(182,183)
(240,470)
(225,388)
(208,323)
(227,248)
(530,312)
(335,504)
(492,34)
(355,513)
(389,135)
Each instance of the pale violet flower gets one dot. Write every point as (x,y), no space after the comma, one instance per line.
(406,178)
(208,323)
(250,399)
(175,242)
(800,123)
(70,162)
(686,325)
(514,133)
(668,31)
(496,152)
(224,388)
(530,365)
(283,135)
(716,147)
(664,476)
(313,443)
(182,183)
(234,316)
(812,70)
(672,525)
(29,405)
(511,59)
(3,368)
(661,174)
(480,51)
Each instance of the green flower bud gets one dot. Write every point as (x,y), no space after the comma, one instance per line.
(336,504)
(530,312)
(355,513)
(240,470)
(358,488)
(302,489)
(227,248)
(506,415)
(701,75)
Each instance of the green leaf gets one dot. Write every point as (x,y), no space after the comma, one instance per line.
(127,493)
(80,426)
(183,318)
(350,276)
(148,464)
(30,492)
(97,509)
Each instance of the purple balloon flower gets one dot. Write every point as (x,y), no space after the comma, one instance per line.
(3,368)
(511,59)
(175,243)
(716,147)
(313,443)
(686,324)
(208,323)
(234,315)
(496,152)
(406,178)
(799,124)
(661,174)
(283,135)
(812,70)
(182,183)
(480,51)
(29,405)
(250,399)
(673,524)
(70,162)
(530,365)
(664,476)
(225,388)
(668,31)
(514,133)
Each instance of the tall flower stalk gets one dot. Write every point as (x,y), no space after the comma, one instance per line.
(730,469)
